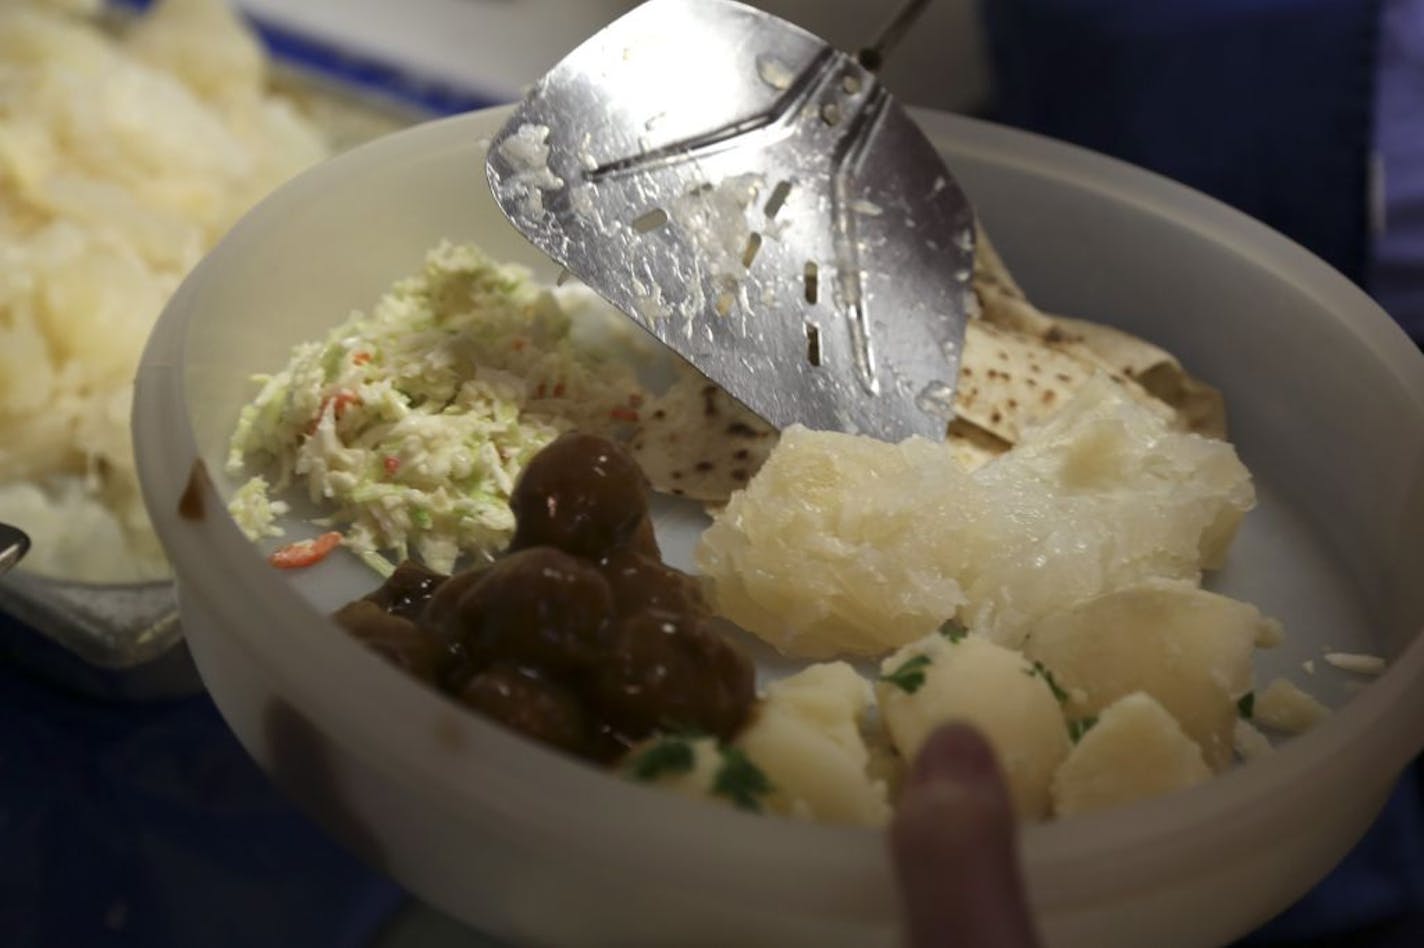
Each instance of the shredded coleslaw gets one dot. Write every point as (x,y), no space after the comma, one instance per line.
(411,423)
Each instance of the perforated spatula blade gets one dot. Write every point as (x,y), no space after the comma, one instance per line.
(756,200)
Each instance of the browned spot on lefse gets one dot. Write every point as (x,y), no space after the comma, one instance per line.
(191,505)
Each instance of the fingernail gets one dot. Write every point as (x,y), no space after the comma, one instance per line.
(955,752)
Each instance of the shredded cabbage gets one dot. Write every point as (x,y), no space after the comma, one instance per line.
(411,424)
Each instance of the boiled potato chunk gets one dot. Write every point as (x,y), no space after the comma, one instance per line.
(1136,750)
(1250,743)
(935,680)
(806,738)
(1188,648)
(690,772)
(1282,706)
(885,766)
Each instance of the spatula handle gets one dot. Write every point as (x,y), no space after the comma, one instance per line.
(872,57)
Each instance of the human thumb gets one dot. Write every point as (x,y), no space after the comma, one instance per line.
(952,843)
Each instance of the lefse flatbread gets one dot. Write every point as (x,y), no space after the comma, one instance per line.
(1019,365)
(1010,379)
(697,441)
(1199,406)
(1128,360)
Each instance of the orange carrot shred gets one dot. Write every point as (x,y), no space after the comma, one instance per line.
(339,403)
(304,553)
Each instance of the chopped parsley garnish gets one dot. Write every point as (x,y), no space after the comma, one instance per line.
(671,755)
(1041,671)
(740,780)
(909,676)
(1076,729)
(1246,705)
(953,630)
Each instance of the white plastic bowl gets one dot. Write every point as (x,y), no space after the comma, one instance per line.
(1327,403)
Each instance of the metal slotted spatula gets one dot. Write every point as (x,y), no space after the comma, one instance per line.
(756,200)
